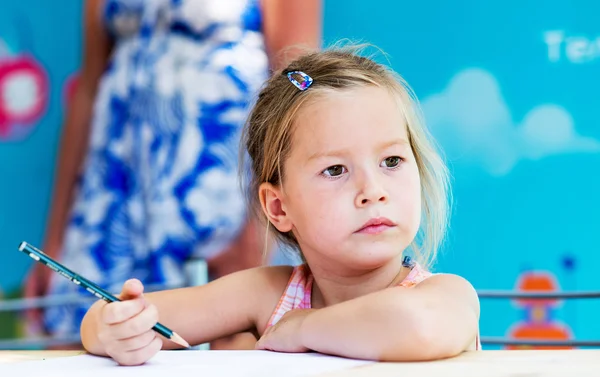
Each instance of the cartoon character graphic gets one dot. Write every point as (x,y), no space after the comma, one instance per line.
(539,322)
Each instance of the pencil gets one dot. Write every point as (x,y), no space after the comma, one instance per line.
(93,288)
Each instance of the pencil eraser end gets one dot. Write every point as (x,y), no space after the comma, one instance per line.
(22,246)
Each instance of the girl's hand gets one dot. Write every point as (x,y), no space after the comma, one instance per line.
(285,335)
(125,328)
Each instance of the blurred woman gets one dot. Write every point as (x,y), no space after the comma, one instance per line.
(147,173)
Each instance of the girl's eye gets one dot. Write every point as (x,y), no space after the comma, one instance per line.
(391,162)
(335,171)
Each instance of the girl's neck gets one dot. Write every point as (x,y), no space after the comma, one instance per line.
(330,287)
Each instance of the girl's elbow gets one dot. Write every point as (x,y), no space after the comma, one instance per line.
(424,342)
(422,347)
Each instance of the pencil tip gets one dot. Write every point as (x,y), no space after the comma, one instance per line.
(179,340)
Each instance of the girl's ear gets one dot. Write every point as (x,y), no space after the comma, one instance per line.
(271,201)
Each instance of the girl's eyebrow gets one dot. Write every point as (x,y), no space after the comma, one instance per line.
(341,152)
(336,153)
(402,142)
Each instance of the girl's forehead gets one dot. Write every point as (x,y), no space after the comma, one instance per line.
(336,113)
(369,100)
(353,119)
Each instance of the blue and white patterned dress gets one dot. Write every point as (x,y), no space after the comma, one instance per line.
(160,180)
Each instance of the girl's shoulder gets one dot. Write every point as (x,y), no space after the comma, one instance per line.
(269,283)
(275,277)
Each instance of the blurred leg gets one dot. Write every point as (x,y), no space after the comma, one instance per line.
(246,252)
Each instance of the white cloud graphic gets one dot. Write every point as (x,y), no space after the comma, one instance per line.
(472,122)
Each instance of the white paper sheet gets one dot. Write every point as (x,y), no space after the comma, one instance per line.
(187,363)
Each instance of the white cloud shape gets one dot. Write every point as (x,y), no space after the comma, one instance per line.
(472,122)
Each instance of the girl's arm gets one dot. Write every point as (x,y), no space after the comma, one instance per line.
(290,26)
(238,302)
(436,319)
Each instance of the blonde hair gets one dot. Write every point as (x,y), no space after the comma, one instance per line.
(267,136)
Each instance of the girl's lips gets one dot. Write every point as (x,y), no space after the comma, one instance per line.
(376,225)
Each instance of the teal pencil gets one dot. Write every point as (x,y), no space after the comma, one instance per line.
(91,287)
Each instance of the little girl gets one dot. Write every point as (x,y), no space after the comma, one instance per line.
(345,172)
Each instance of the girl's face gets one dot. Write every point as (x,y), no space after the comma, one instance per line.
(351,190)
